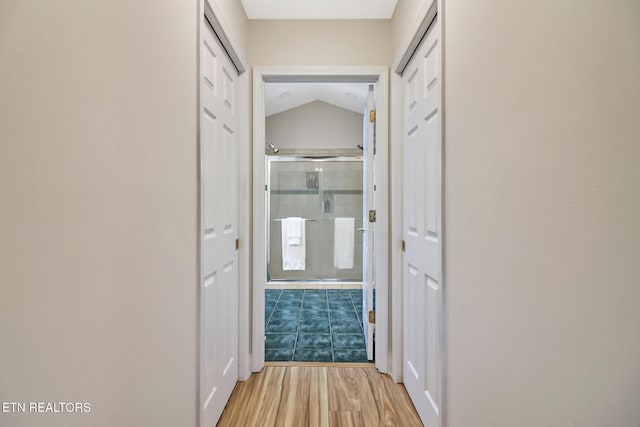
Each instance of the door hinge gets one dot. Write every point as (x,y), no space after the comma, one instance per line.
(372,116)
(372,316)
(404,246)
(372,215)
(237,244)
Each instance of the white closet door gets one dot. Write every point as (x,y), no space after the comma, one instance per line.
(219,229)
(422,229)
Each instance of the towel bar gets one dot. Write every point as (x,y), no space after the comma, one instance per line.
(280,219)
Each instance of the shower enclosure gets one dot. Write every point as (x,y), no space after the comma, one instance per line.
(318,189)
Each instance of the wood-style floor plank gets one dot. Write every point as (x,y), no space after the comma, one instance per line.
(260,399)
(319,396)
(346,419)
(318,387)
(294,398)
(343,390)
(393,402)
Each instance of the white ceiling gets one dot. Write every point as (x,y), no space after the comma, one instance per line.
(319,9)
(285,96)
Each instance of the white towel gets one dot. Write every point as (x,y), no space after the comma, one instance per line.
(294,230)
(343,243)
(293,255)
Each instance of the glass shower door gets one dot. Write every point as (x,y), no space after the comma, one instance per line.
(326,192)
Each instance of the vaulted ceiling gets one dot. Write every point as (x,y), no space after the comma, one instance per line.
(280,97)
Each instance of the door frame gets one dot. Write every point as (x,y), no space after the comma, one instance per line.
(364,74)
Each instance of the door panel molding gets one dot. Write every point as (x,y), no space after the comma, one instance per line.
(218,180)
(422,228)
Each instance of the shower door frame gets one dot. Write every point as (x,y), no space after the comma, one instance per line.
(378,75)
(311,157)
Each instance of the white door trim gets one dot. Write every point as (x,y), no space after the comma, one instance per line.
(213,13)
(418,30)
(396,226)
(379,74)
(244,228)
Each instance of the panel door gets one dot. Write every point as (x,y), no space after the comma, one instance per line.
(422,229)
(368,228)
(219,222)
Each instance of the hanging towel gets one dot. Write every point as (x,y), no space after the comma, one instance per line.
(293,255)
(294,230)
(343,243)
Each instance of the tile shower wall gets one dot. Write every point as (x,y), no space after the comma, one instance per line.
(321,190)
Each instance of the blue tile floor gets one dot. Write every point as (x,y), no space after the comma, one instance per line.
(314,325)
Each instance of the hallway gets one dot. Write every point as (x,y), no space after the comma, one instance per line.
(133,231)
(319,395)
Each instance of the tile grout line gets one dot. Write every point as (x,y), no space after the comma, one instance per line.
(358,316)
(333,357)
(356,311)
(295,340)
(271,315)
(269,320)
(280,332)
(267,323)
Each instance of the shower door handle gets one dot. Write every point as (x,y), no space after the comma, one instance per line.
(360,229)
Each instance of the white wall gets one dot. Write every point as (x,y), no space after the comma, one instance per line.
(234,20)
(406,16)
(542,208)
(344,43)
(316,125)
(98,273)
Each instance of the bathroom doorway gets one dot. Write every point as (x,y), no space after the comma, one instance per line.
(297,158)
(313,297)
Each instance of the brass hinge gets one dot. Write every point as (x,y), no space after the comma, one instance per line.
(372,215)
(237,244)
(372,116)
(372,316)
(404,246)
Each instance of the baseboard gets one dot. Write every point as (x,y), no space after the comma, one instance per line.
(314,285)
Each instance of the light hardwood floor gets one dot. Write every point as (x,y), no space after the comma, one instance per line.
(319,396)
